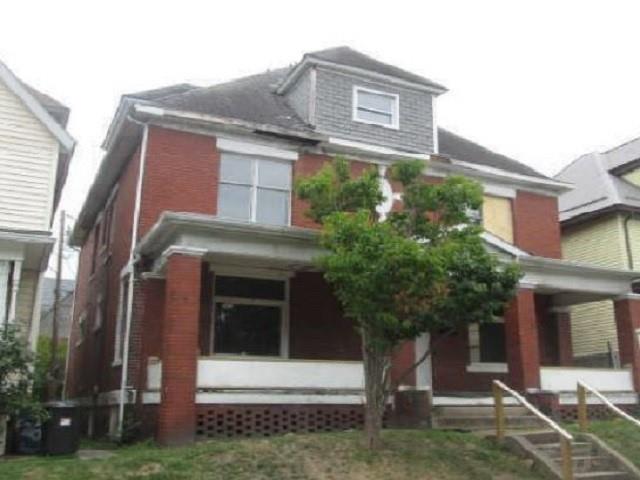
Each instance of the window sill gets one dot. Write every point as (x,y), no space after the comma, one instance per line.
(479,367)
(116,363)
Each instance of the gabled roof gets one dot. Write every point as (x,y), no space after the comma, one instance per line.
(52,114)
(349,57)
(596,188)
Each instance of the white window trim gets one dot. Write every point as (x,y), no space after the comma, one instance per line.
(475,365)
(395,113)
(255,160)
(118,346)
(284,317)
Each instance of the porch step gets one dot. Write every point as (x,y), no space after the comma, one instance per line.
(591,458)
(476,422)
(477,410)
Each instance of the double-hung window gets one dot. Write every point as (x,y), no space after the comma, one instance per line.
(254,188)
(378,108)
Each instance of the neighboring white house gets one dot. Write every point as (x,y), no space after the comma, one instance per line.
(35,151)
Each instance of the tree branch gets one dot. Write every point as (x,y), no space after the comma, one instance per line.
(417,363)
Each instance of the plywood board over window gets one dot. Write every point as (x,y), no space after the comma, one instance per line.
(497,217)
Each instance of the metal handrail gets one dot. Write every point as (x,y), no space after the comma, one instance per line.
(565,437)
(583,419)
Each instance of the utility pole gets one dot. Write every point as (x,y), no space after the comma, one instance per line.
(53,361)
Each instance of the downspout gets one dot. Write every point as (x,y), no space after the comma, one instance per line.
(131,270)
(627,240)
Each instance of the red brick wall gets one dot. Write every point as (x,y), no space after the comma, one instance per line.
(450,360)
(181,175)
(318,330)
(91,362)
(536,228)
(177,411)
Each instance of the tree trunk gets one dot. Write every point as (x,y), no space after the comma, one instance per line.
(376,367)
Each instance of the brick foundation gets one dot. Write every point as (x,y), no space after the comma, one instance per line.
(216,421)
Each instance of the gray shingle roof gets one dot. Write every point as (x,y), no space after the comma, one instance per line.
(352,58)
(460,148)
(249,98)
(595,189)
(253,99)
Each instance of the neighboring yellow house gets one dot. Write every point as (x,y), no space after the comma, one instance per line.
(600,221)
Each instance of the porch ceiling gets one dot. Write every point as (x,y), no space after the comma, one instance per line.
(225,241)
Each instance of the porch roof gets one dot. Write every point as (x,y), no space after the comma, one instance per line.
(230,242)
(568,281)
(294,248)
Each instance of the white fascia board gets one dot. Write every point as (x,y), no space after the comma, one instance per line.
(374,149)
(235,145)
(65,140)
(148,111)
(554,185)
(496,190)
(361,72)
(500,244)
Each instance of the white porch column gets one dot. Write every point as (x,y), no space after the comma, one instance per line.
(15,285)
(4,283)
(424,375)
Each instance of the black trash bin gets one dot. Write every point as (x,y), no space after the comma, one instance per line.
(28,436)
(61,433)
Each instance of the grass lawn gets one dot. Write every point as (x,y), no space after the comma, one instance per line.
(407,454)
(619,434)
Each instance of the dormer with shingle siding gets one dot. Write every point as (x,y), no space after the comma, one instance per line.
(350,96)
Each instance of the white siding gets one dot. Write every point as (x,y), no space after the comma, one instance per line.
(28,162)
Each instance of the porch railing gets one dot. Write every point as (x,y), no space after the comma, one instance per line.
(499,390)
(583,414)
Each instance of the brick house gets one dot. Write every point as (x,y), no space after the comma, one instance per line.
(197,304)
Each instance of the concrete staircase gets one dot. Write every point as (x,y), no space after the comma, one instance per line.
(592,458)
(481,417)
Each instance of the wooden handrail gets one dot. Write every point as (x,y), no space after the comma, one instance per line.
(583,419)
(499,389)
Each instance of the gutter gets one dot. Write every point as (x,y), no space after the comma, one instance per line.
(131,270)
(627,240)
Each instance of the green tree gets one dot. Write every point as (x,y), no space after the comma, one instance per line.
(423,268)
(42,368)
(16,365)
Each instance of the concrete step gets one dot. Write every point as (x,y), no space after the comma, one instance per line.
(477,410)
(590,463)
(578,449)
(475,422)
(612,475)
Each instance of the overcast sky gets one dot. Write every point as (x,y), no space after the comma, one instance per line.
(541,81)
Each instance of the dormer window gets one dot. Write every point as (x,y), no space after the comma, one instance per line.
(375,107)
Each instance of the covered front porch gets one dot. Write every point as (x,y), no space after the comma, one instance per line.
(531,347)
(252,338)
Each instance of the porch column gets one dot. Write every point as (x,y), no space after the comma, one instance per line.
(521,333)
(177,411)
(627,314)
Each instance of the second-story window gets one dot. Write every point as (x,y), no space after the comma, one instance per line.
(255,189)
(372,106)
